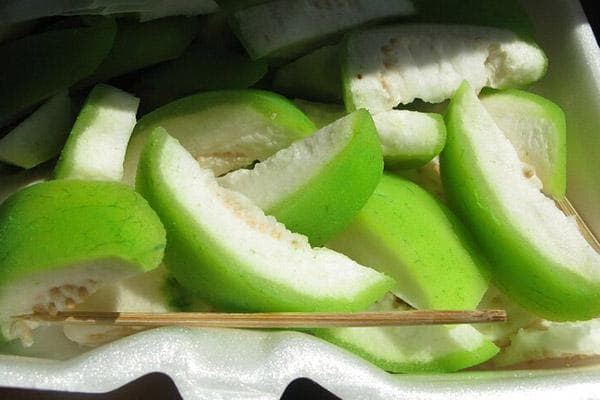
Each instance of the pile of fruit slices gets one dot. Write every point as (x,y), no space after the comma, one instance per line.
(227,196)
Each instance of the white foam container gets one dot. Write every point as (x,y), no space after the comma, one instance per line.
(232,364)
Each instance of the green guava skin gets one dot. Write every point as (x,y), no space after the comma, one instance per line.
(529,277)
(207,268)
(55,224)
(327,203)
(407,234)
(57,59)
(315,76)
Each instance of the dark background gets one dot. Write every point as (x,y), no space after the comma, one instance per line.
(160,386)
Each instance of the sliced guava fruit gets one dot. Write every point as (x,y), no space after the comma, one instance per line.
(392,65)
(224,249)
(315,76)
(410,138)
(321,114)
(141,44)
(414,349)
(552,340)
(57,59)
(19,10)
(61,240)
(518,317)
(285,29)
(97,143)
(407,234)
(198,69)
(316,185)
(539,257)
(224,130)
(150,292)
(536,128)
(41,136)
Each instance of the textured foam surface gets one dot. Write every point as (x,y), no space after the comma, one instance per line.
(259,365)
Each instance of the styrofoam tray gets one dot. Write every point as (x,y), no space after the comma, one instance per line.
(231,364)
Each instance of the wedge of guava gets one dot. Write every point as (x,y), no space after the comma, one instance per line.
(150,292)
(407,234)
(552,341)
(15,11)
(224,249)
(539,257)
(536,128)
(414,349)
(410,139)
(316,185)
(62,240)
(41,136)
(392,65)
(224,130)
(96,146)
(286,29)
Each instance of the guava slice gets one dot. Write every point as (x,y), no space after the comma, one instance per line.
(392,65)
(224,130)
(315,76)
(18,10)
(540,259)
(321,114)
(198,69)
(41,136)
(287,28)
(407,234)
(224,249)
(552,340)
(518,317)
(317,185)
(148,292)
(414,349)
(141,44)
(536,128)
(57,59)
(410,138)
(97,144)
(61,240)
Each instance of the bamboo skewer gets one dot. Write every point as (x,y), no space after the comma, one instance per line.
(269,320)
